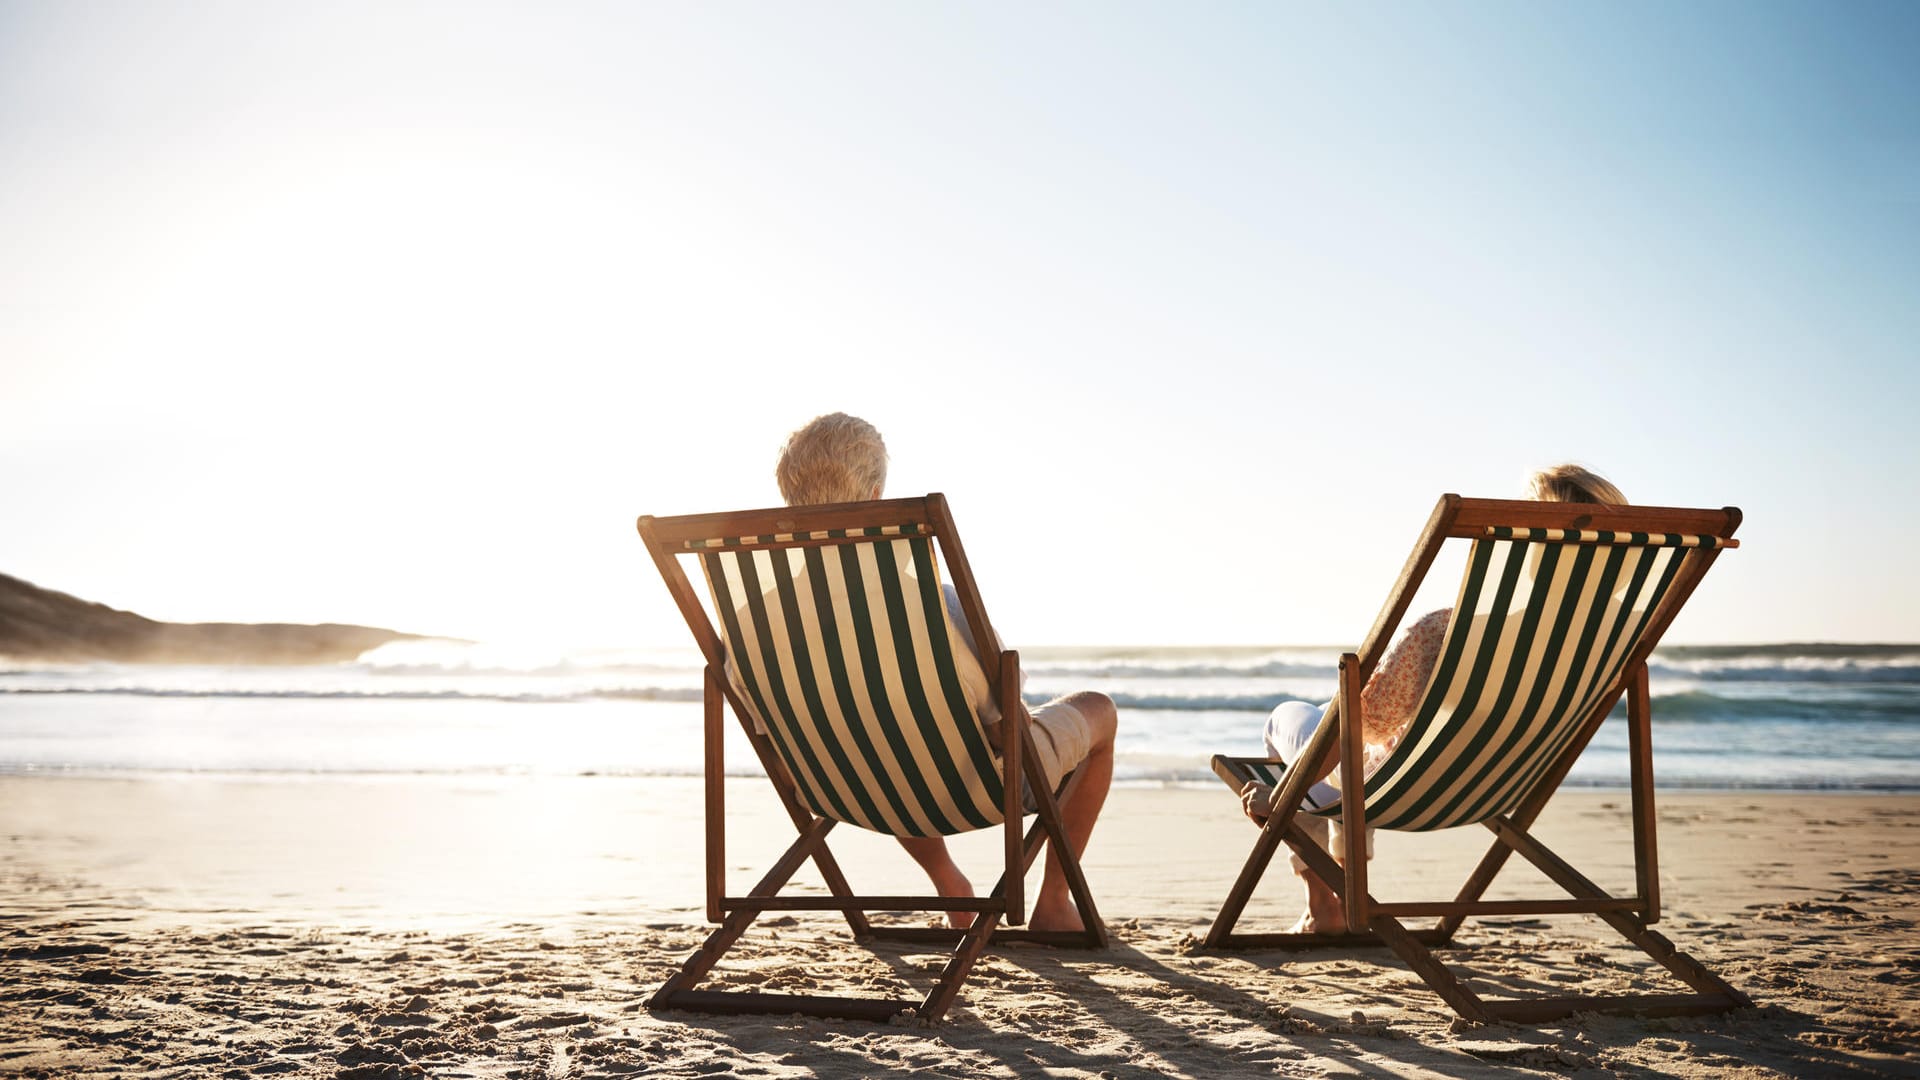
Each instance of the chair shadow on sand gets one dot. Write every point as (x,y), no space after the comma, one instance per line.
(1130,1012)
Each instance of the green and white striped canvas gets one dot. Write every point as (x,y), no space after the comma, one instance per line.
(1272,773)
(1539,638)
(846,657)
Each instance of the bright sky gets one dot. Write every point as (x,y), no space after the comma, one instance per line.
(400,313)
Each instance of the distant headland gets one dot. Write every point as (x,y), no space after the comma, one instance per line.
(40,624)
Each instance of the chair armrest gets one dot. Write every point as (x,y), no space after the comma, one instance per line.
(1236,772)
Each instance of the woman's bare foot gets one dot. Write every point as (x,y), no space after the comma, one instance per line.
(1325,913)
(1307,924)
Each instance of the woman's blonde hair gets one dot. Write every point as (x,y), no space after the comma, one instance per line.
(1574,484)
(834,458)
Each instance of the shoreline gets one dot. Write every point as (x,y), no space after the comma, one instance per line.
(193,927)
(1209,783)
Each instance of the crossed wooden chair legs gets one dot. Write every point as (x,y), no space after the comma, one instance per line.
(1413,946)
(1711,993)
(680,991)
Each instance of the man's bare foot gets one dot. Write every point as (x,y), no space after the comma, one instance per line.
(1063,917)
(949,881)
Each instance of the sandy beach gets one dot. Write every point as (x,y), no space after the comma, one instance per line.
(514,928)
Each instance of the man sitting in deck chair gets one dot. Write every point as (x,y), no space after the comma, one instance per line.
(1390,699)
(839,458)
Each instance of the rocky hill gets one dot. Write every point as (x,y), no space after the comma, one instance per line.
(40,624)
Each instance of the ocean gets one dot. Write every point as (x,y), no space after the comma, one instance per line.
(1782,717)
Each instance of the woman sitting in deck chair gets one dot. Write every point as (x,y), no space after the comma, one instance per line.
(1389,702)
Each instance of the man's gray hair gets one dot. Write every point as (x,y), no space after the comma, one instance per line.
(834,458)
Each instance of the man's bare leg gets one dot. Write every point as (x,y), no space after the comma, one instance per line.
(1054,909)
(932,855)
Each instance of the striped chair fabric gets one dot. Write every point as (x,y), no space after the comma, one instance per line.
(1595,536)
(1266,770)
(844,652)
(1269,771)
(1539,636)
(769,539)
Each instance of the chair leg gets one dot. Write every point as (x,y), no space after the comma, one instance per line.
(1476,885)
(1048,811)
(1030,847)
(1712,993)
(947,987)
(1222,935)
(803,819)
(837,885)
(680,990)
(1529,811)
(1293,787)
(1250,874)
(696,966)
(1062,939)
(1279,824)
(1655,944)
(1096,927)
(1029,850)
(1402,941)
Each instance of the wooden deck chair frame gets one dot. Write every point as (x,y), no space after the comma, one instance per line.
(843,523)
(1455,517)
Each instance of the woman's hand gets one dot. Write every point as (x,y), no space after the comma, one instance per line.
(1256,799)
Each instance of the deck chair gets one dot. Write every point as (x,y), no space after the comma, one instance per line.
(1558,609)
(834,652)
